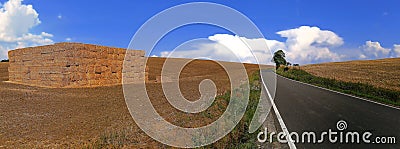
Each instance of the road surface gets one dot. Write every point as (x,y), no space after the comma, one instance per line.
(305,108)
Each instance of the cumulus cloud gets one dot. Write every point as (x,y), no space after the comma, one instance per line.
(16,20)
(225,47)
(241,46)
(374,50)
(303,45)
(311,44)
(396,50)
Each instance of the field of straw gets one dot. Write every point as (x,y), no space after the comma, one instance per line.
(36,117)
(383,73)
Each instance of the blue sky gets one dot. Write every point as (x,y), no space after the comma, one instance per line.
(368,29)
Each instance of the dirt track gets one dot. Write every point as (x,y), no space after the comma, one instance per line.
(45,117)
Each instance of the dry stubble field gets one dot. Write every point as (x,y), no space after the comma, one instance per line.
(384,73)
(35,117)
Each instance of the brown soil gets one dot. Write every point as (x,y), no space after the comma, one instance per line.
(35,117)
(384,73)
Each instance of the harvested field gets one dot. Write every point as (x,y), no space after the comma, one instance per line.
(384,73)
(35,117)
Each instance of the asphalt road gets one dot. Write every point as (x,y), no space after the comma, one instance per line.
(306,108)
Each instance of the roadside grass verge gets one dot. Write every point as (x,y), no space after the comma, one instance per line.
(370,92)
(241,136)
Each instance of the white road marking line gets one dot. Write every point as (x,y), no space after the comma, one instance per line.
(278,116)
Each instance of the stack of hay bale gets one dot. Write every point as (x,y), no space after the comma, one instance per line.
(75,65)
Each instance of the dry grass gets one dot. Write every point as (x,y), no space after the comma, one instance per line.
(383,73)
(35,117)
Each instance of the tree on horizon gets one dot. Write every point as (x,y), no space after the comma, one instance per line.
(279,59)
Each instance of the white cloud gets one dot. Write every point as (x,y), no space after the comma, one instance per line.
(165,54)
(311,44)
(303,45)
(396,50)
(226,47)
(60,16)
(239,46)
(68,39)
(362,56)
(374,50)
(16,19)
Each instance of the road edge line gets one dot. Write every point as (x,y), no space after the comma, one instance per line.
(279,117)
(342,93)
